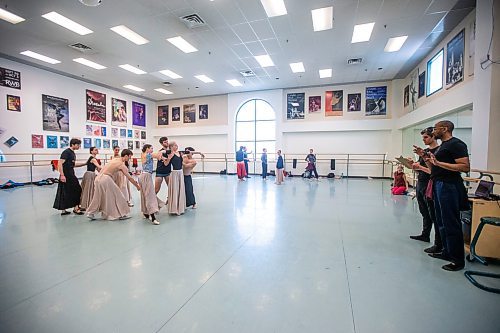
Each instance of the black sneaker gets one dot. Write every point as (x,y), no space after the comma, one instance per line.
(433,249)
(421,238)
(452,267)
(439,256)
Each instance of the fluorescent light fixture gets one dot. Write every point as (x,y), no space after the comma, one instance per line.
(10,17)
(234,83)
(322,18)
(170,74)
(134,88)
(297,67)
(164,91)
(89,63)
(325,73)
(67,23)
(132,69)
(274,7)
(182,44)
(362,32)
(264,60)
(395,43)
(130,35)
(40,57)
(204,78)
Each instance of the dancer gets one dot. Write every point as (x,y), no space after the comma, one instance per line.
(116,152)
(188,164)
(163,168)
(245,160)
(88,178)
(68,189)
(279,168)
(120,179)
(311,164)
(240,164)
(150,204)
(108,198)
(400,184)
(263,159)
(176,191)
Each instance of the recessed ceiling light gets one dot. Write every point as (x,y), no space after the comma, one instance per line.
(234,83)
(182,44)
(40,57)
(10,17)
(264,60)
(89,63)
(130,35)
(132,69)
(274,7)
(134,88)
(164,91)
(322,18)
(67,23)
(297,67)
(395,43)
(325,73)
(170,74)
(204,78)
(362,32)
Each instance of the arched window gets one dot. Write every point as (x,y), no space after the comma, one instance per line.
(256,127)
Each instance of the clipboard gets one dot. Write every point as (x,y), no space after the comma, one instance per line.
(406,162)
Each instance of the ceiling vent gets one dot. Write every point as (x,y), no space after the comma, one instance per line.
(247,73)
(193,21)
(82,48)
(354,61)
(167,83)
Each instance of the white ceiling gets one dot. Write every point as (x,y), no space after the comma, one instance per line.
(236,31)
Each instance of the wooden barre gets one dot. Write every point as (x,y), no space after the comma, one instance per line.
(486,171)
(476,180)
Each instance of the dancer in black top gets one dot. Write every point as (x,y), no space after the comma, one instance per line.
(176,190)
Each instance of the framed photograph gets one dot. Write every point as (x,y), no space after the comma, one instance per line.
(87,143)
(143,135)
(97,143)
(96,130)
(63,141)
(162,115)
(314,104)
(176,113)
(138,114)
(115,133)
(137,134)
(203,111)
(106,143)
(189,113)
(118,112)
(130,144)
(334,103)
(36,141)
(295,105)
(130,133)
(137,144)
(353,102)
(421,84)
(52,141)
(55,114)
(96,106)
(455,59)
(122,144)
(13,140)
(123,132)
(406,96)
(376,99)
(10,78)
(13,103)
(89,130)
(114,143)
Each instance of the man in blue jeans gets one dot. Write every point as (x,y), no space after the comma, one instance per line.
(449,193)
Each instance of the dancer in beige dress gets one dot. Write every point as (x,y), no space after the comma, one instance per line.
(108,198)
(89,178)
(176,192)
(120,179)
(150,204)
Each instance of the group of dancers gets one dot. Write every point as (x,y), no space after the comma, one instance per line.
(108,191)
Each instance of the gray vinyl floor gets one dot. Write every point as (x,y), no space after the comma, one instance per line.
(306,256)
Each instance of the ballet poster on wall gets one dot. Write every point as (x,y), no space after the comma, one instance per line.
(36,141)
(421,84)
(10,78)
(118,112)
(55,113)
(143,135)
(114,143)
(114,132)
(96,106)
(353,102)
(295,105)
(162,115)
(406,96)
(314,104)
(64,141)
(51,141)
(123,132)
(189,113)
(334,103)
(106,143)
(12,141)
(87,143)
(176,113)
(13,103)
(376,98)
(455,59)
(138,114)
(203,111)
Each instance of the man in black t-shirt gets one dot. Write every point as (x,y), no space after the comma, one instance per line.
(450,195)
(163,168)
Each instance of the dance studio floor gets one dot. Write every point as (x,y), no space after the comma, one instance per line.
(332,256)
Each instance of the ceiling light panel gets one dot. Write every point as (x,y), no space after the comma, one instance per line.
(324,73)
(132,69)
(39,56)
(264,60)
(395,43)
(170,74)
(322,18)
(297,67)
(182,44)
(67,23)
(10,17)
(130,35)
(89,63)
(234,83)
(362,32)
(274,7)
(204,78)
(164,91)
(134,88)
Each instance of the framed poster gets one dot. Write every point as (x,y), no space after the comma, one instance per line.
(413,90)
(143,135)
(314,104)
(137,134)
(353,102)
(138,114)
(63,141)
(87,143)
(189,112)
(55,114)
(376,99)
(114,132)
(89,130)
(295,105)
(203,111)
(118,112)
(123,132)
(137,145)
(13,140)
(96,130)
(455,59)
(51,141)
(176,113)
(406,96)
(97,142)
(130,133)
(162,115)
(104,131)
(106,143)
(334,103)
(13,103)
(421,84)
(10,78)
(36,141)
(130,144)
(114,143)
(96,106)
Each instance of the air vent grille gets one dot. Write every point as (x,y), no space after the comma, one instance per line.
(82,48)
(354,61)
(247,73)
(193,21)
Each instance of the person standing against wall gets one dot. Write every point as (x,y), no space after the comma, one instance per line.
(311,164)
(280,166)
(240,164)
(263,159)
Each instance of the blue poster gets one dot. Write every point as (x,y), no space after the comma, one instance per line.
(295,105)
(129,133)
(64,141)
(87,143)
(51,141)
(376,98)
(114,143)
(97,143)
(123,132)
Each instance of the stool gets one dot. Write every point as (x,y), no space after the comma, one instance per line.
(495,221)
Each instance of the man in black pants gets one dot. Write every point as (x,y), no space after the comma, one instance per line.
(450,195)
